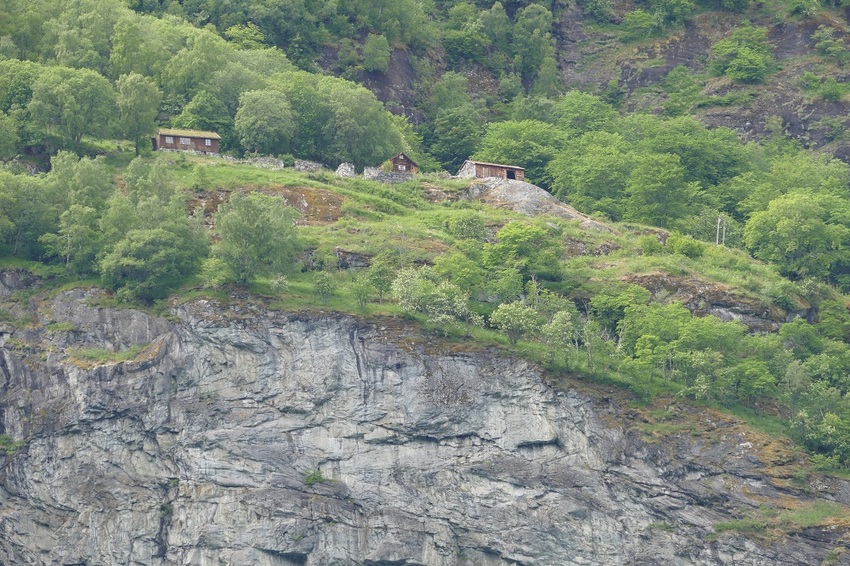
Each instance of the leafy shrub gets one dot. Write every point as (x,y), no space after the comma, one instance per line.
(147,264)
(743,56)
(685,245)
(324,286)
(748,66)
(600,10)
(649,245)
(810,81)
(833,128)
(312,477)
(672,11)
(824,463)
(784,294)
(831,90)
(515,320)
(9,444)
(806,8)
(376,53)
(826,44)
(258,236)
(638,25)
(362,290)
(467,225)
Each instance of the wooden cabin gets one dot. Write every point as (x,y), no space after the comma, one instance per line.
(402,163)
(480,170)
(186,140)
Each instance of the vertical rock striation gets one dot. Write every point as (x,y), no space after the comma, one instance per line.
(251,437)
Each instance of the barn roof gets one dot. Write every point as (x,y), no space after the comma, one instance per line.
(497,165)
(189,133)
(404,155)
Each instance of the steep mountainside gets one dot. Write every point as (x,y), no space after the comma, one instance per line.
(242,435)
(593,58)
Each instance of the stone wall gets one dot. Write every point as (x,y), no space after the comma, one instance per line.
(376,174)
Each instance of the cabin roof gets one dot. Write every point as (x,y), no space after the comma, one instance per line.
(188,133)
(404,155)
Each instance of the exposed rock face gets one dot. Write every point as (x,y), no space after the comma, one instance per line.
(528,199)
(15,280)
(345,170)
(205,450)
(703,298)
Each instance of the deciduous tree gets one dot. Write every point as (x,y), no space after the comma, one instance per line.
(138,104)
(257,234)
(264,122)
(69,103)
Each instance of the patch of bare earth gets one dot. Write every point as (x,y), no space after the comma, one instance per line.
(317,206)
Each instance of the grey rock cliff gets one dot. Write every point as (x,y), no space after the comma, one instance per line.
(250,437)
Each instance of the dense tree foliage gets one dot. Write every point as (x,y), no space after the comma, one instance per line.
(264,122)
(68,103)
(138,104)
(257,236)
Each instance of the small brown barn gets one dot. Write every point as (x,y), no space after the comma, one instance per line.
(186,140)
(480,170)
(402,163)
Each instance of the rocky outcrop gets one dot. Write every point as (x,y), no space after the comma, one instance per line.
(245,436)
(346,170)
(703,298)
(308,166)
(528,199)
(12,280)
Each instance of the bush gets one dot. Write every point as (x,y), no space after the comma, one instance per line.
(324,286)
(743,56)
(600,10)
(638,25)
(258,236)
(685,245)
(515,320)
(831,90)
(312,477)
(748,66)
(672,11)
(810,81)
(376,53)
(826,44)
(467,225)
(649,245)
(147,264)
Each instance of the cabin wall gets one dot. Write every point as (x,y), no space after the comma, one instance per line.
(483,171)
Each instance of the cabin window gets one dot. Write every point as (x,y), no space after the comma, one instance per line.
(185,141)
(511,174)
(169,139)
(402,167)
(208,143)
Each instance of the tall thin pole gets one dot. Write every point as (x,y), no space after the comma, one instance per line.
(717,238)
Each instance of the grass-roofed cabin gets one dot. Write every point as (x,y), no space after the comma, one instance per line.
(186,140)
(480,170)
